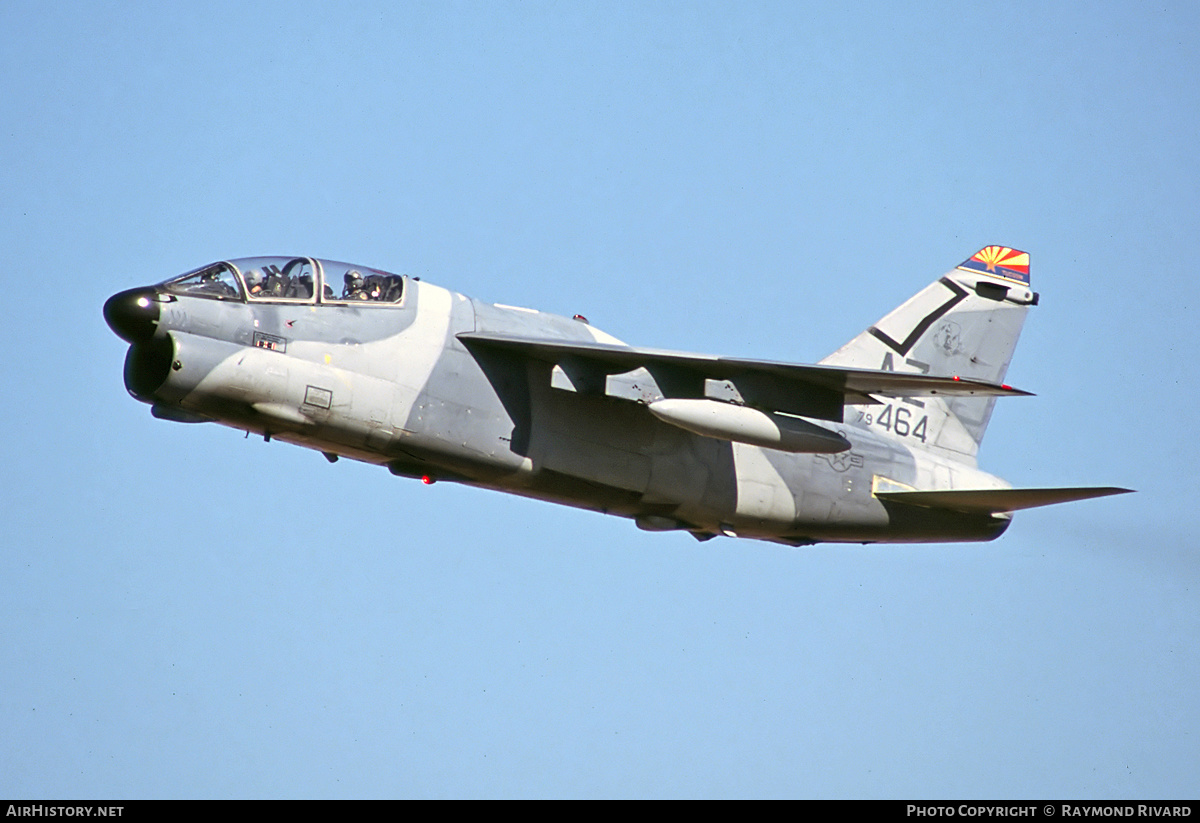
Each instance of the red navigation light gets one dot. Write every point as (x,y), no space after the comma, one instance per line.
(427,480)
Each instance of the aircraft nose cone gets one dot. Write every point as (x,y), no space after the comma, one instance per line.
(132,314)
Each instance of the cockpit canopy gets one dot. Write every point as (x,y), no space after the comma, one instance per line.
(291,280)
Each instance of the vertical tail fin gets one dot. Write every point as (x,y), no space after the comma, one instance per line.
(967,324)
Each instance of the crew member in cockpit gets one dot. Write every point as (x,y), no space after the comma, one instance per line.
(354,286)
(254,282)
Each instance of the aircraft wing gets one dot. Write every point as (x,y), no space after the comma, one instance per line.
(994,501)
(808,390)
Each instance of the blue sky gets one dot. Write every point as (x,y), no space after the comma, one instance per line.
(758,179)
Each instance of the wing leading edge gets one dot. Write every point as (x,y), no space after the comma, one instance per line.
(812,391)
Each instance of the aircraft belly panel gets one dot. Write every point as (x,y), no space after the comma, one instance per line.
(594,438)
(677,480)
(596,463)
(762,493)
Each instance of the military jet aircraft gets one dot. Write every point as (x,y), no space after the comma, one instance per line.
(876,443)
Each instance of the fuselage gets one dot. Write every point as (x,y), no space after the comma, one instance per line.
(385,378)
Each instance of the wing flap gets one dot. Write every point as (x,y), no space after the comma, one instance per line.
(995,501)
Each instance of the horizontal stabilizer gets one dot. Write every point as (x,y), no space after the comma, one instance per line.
(993,501)
(850,385)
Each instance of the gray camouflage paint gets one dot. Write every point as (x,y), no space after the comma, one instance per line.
(394,385)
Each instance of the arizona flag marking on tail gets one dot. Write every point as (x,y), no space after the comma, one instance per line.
(999,261)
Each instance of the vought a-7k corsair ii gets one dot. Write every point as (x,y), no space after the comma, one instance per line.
(876,443)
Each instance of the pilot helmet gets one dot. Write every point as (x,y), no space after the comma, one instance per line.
(254,278)
(354,280)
